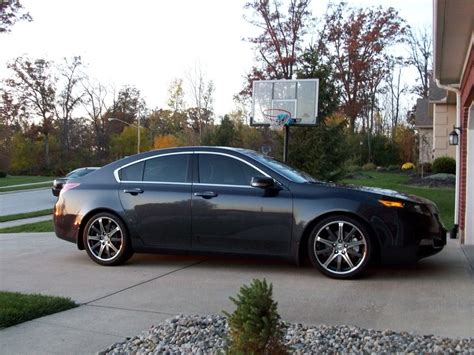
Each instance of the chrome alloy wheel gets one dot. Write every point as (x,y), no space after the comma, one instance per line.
(340,247)
(104,238)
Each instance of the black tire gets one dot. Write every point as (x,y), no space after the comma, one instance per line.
(106,240)
(340,247)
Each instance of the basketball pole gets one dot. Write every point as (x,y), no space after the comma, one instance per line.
(286,138)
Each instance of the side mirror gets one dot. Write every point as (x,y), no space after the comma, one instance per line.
(262,182)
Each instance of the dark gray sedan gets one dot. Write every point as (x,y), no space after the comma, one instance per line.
(236,201)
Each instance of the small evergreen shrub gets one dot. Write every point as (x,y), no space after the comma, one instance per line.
(3,174)
(444,165)
(393,168)
(255,325)
(369,167)
(427,167)
(353,168)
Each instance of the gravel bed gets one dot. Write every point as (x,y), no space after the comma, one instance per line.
(206,335)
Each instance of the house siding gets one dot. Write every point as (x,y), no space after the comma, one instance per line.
(467,96)
(444,119)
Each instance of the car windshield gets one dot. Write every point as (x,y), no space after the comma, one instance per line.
(290,173)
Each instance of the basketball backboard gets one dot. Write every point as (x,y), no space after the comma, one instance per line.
(295,98)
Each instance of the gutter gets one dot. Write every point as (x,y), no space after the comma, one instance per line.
(455,89)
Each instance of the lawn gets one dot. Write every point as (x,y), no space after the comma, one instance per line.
(14,217)
(44,226)
(18,180)
(18,308)
(443,197)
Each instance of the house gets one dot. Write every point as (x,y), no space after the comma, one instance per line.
(435,118)
(453,31)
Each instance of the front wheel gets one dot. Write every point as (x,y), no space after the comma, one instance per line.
(106,240)
(340,247)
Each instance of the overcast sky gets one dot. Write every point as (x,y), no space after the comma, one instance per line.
(148,43)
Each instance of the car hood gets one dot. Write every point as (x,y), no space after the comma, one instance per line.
(385,193)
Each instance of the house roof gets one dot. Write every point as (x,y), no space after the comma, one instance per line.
(423,116)
(453,33)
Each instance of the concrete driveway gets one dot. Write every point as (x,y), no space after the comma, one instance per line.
(435,296)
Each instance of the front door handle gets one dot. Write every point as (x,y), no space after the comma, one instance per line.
(205,194)
(134,191)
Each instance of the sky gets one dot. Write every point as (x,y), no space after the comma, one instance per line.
(148,43)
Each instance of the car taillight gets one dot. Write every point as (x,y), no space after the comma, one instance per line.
(69,186)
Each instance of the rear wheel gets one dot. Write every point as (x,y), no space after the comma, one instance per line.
(106,240)
(340,247)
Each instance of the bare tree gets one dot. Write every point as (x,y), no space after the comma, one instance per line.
(421,53)
(95,104)
(202,90)
(69,97)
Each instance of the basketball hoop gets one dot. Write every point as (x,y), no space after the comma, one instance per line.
(278,116)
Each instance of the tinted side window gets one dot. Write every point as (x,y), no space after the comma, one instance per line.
(169,168)
(132,172)
(219,169)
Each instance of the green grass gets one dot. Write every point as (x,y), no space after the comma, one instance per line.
(15,217)
(443,197)
(44,226)
(17,180)
(18,308)
(26,187)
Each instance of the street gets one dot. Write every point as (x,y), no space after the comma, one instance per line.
(26,201)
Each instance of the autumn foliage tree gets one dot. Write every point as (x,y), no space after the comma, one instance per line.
(356,44)
(12,11)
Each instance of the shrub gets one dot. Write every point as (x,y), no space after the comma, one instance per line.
(427,167)
(368,167)
(393,168)
(353,168)
(444,165)
(408,166)
(255,326)
(3,174)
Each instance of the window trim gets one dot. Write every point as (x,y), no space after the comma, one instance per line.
(117,177)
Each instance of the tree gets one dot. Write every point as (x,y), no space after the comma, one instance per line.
(420,48)
(200,115)
(125,143)
(164,122)
(279,44)
(224,134)
(35,87)
(94,102)
(176,95)
(12,11)
(356,41)
(69,98)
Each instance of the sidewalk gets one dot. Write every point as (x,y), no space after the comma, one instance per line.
(20,222)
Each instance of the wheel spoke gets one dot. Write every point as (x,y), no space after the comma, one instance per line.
(355,244)
(325,241)
(339,258)
(324,251)
(348,260)
(116,239)
(349,235)
(113,247)
(340,232)
(110,234)
(331,233)
(95,245)
(93,237)
(101,224)
(101,250)
(329,260)
(353,252)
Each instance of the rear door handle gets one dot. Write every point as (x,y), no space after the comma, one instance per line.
(134,191)
(205,194)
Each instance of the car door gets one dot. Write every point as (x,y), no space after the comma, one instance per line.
(156,196)
(230,215)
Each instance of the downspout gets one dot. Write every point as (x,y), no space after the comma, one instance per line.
(455,89)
